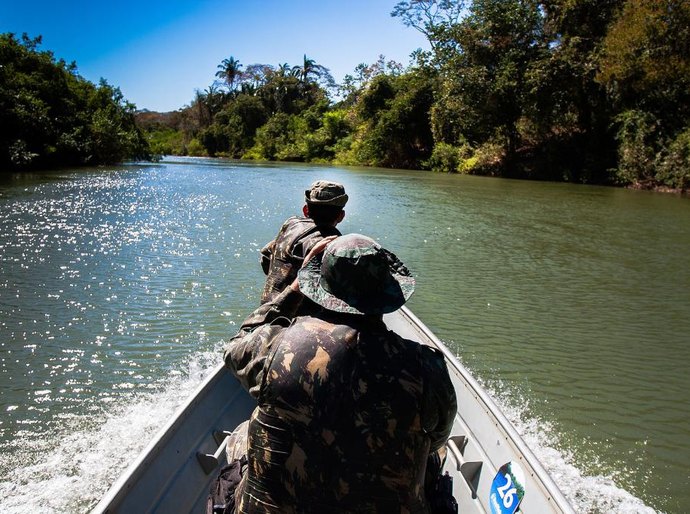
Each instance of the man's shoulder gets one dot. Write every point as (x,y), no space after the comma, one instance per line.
(294,225)
(428,356)
(433,355)
(297,220)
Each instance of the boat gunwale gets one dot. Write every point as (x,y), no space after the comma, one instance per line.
(129,476)
(491,407)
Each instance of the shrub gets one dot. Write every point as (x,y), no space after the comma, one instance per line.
(196,149)
(444,158)
(673,169)
(636,152)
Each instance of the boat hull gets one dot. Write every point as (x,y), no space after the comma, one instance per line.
(168,476)
(175,471)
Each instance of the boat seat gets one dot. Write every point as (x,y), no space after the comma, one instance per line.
(233,444)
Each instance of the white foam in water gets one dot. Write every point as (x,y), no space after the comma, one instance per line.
(78,471)
(80,468)
(587,494)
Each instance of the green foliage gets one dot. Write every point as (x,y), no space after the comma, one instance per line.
(485,62)
(445,158)
(311,136)
(645,59)
(486,160)
(645,66)
(50,116)
(273,138)
(354,84)
(196,149)
(636,147)
(594,91)
(166,141)
(673,167)
(395,128)
(646,159)
(235,126)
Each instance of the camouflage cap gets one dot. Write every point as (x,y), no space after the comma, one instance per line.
(356,275)
(323,192)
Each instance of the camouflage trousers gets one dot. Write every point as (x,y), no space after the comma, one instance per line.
(237,444)
(235,450)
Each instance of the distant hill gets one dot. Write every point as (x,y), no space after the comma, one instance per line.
(151,119)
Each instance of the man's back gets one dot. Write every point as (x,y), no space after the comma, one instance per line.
(283,256)
(348,413)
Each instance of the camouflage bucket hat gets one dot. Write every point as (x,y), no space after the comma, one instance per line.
(323,192)
(356,275)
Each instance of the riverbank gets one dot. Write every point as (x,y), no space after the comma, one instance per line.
(684,192)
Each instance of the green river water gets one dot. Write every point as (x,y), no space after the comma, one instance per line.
(119,286)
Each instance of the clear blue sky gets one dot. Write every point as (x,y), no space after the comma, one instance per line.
(159,52)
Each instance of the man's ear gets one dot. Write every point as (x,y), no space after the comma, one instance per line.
(305,210)
(340,217)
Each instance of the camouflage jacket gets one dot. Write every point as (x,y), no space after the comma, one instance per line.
(347,414)
(282,258)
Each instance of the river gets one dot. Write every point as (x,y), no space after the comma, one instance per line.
(119,286)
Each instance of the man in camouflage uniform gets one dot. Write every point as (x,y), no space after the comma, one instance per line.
(348,411)
(282,258)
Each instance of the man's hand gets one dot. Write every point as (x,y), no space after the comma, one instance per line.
(316,250)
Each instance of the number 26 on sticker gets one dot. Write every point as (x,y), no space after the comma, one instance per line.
(507,492)
(507,489)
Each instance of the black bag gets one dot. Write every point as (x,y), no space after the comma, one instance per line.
(221,498)
(441,499)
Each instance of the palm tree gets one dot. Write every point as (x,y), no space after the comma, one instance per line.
(308,68)
(214,98)
(284,70)
(229,71)
(201,110)
(248,89)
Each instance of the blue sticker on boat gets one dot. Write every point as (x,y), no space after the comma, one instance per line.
(507,489)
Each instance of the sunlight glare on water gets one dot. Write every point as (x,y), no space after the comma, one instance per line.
(119,286)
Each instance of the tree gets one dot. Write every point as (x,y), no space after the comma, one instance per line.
(311,73)
(568,102)
(308,68)
(283,93)
(645,59)
(257,75)
(645,67)
(229,70)
(483,63)
(430,17)
(274,137)
(355,83)
(51,116)
(394,127)
(234,128)
(285,70)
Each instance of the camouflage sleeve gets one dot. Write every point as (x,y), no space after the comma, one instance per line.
(440,405)
(265,256)
(246,353)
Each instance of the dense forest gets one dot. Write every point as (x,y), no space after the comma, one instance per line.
(590,91)
(50,116)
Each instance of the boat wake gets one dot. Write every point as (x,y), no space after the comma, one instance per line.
(70,472)
(587,494)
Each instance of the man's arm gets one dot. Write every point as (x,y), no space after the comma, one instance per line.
(265,257)
(441,402)
(246,353)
